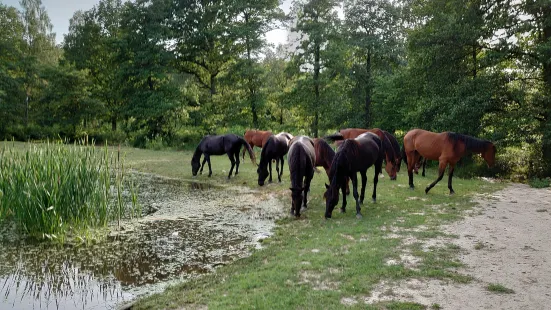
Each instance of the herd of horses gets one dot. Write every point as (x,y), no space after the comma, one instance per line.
(357,150)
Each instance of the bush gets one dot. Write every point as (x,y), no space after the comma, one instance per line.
(540,183)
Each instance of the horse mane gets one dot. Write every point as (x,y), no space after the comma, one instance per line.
(472,144)
(324,150)
(341,162)
(334,137)
(265,149)
(394,143)
(198,152)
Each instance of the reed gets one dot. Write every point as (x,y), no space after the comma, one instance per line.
(52,190)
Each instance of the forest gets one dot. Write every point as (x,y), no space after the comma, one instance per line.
(163,73)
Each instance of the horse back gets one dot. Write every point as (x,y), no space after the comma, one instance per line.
(430,145)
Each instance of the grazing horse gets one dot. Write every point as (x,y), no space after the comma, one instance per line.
(275,148)
(219,145)
(392,153)
(256,138)
(324,154)
(354,155)
(447,148)
(301,159)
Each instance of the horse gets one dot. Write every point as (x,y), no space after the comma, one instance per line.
(275,148)
(446,147)
(355,155)
(421,163)
(392,154)
(218,145)
(324,154)
(256,138)
(301,159)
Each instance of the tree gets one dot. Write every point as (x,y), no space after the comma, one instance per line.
(316,24)
(375,35)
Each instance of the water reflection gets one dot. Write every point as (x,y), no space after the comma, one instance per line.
(191,232)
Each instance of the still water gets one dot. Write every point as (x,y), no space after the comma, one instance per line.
(189,229)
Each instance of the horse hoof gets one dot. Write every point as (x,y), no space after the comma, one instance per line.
(343,211)
(427,190)
(452,193)
(359,216)
(303,209)
(411,188)
(374,200)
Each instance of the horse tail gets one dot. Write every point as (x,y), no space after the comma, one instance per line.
(249,149)
(404,156)
(334,137)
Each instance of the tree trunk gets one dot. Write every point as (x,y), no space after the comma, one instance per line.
(368,91)
(113,123)
(546,147)
(315,128)
(252,89)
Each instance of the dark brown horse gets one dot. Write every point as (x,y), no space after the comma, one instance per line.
(391,150)
(354,155)
(274,149)
(301,159)
(256,138)
(447,148)
(219,145)
(324,154)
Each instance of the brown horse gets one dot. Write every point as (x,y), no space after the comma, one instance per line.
(256,138)
(390,147)
(447,148)
(324,157)
(274,149)
(355,155)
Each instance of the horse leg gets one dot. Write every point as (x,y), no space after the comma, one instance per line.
(354,179)
(230,156)
(343,190)
(347,186)
(281,169)
(441,170)
(452,168)
(277,170)
(270,165)
(412,159)
(424,164)
(208,162)
(237,162)
(378,166)
(364,183)
(203,165)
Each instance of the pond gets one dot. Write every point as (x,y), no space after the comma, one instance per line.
(190,229)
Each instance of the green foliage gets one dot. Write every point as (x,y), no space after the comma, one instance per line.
(540,183)
(52,191)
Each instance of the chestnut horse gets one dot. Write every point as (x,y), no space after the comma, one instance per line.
(447,148)
(390,146)
(354,155)
(219,145)
(275,148)
(256,138)
(301,159)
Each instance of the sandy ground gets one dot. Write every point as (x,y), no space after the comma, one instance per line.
(507,242)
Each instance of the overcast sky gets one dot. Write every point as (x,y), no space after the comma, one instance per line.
(60,11)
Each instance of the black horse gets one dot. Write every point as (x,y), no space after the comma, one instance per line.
(219,145)
(301,159)
(354,155)
(274,149)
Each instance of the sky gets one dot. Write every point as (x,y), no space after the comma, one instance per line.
(60,11)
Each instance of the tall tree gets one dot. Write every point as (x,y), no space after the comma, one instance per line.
(316,23)
(375,34)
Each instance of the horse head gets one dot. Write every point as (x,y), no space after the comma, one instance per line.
(262,173)
(489,154)
(195,165)
(331,197)
(391,169)
(297,197)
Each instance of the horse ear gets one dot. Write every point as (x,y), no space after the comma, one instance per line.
(326,186)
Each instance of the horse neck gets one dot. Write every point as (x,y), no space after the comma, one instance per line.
(197,154)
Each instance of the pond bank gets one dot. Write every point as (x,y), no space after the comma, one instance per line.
(191,229)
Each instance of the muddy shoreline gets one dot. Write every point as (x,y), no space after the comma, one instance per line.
(189,230)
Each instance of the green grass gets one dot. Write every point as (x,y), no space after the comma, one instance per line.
(54,190)
(312,262)
(500,289)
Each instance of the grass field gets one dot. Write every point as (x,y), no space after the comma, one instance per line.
(315,263)
(312,262)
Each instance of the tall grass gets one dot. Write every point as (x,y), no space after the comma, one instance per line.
(52,190)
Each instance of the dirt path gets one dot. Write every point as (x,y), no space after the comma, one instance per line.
(508,243)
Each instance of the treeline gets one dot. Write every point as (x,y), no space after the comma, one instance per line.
(165,72)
